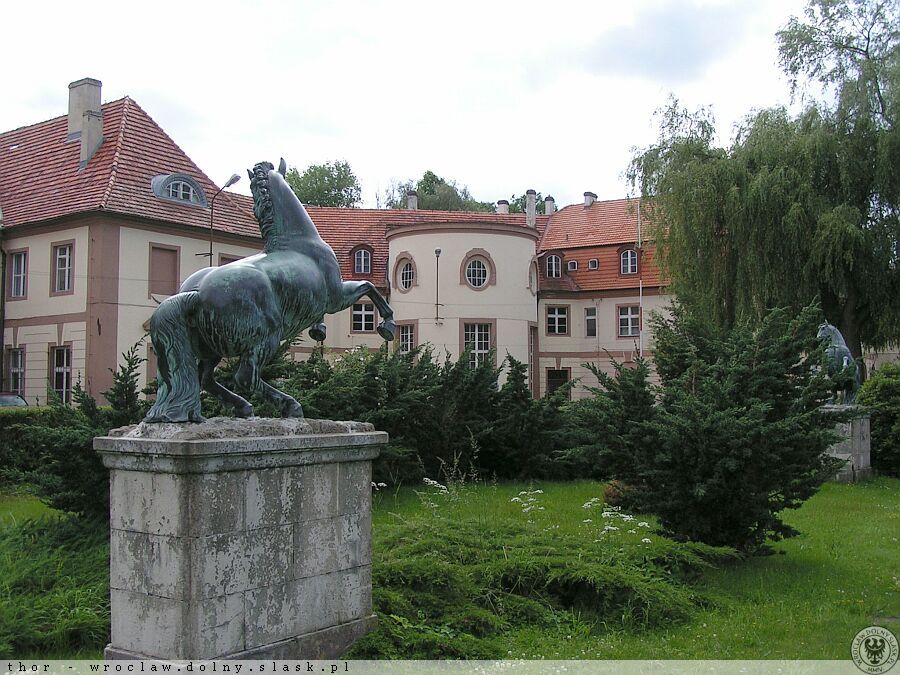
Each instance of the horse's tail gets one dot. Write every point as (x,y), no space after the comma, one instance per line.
(178,383)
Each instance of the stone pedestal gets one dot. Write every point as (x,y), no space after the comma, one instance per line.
(240,539)
(854,448)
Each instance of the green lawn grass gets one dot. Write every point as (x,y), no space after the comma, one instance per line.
(807,602)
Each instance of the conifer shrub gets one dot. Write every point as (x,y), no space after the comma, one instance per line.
(734,434)
(880,394)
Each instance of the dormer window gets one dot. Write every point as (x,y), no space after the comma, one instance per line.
(628,261)
(178,187)
(362,261)
(554,267)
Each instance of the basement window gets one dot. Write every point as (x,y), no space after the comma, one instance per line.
(177,187)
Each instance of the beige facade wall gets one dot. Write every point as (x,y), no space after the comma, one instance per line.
(506,301)
(40,301)
(570,352)
(37,339)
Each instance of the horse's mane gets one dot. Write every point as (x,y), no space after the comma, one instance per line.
(262,200)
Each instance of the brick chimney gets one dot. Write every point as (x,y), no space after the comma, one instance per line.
(412,200)
(503,206)
(530,208)
(589,198)
(85,117)
(549,205)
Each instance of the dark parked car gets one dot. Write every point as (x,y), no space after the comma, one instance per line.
(9,400)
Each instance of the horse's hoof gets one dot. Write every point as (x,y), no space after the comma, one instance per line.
(292,409)
(386,329)
(245,410)
(317,332)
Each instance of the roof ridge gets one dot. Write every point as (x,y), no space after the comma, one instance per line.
(114,165)
(50,119)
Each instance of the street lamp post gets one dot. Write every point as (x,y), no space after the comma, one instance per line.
(212,208)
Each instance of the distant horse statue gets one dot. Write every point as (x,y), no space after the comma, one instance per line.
(839,364)
(247,308)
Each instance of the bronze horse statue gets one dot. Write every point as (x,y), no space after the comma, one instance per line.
(840,364)
(248,308)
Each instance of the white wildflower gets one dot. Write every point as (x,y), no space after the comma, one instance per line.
(643,523)
(645,541)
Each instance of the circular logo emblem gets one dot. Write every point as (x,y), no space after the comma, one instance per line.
(874,650)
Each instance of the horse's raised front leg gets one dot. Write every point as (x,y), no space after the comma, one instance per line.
(354,290)
(317,330)
(242,407)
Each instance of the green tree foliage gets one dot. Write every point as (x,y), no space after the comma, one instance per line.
(328,184)
(881,395)
(737,434)
(436,194)
(796,208)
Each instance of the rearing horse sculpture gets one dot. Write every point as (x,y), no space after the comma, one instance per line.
(839,363)
(247,308)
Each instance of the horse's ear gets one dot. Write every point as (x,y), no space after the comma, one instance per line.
(250,173)
(282,167)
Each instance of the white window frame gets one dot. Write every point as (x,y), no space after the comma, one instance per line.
(593,264)
(16,370)
(18,278)
(554,265)
(406,334)
(628,261)
(363,317)
(629,321)
(62,263)
(590,321)
(477,339)
(182,191)
(407,275)
(558,320)
(362,261)
(62,372)
(572,266)
(477,271)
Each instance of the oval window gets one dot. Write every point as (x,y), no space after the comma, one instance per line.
(476,273)
(407,275)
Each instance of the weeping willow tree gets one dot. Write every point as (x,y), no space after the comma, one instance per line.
(800,207)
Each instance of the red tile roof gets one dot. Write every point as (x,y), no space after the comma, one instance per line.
(116,179)
(598,231)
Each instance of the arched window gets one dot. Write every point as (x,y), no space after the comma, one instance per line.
(178,187)
(362,261)
(476,273)
(553,267)
(629,261)
(407,276)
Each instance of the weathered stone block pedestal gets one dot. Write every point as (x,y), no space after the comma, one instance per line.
(240,538)
(855,445)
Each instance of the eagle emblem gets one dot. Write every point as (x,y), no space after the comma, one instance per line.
(874,647)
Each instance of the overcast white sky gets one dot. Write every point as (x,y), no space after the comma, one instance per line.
(500,96)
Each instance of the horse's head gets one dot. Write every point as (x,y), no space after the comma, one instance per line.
(275,205)
(831,334)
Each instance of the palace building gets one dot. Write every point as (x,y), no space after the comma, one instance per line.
(102,216)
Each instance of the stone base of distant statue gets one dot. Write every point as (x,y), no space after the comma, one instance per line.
(240,539)
(854,447)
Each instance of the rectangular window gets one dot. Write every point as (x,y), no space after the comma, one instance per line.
(15,358)
(556,379)
(61,359)
(593,264)
(572,266)
(629,321)
(225,258)
(18,274)
(163,270)
(557,321)
(407,338)
(363,317)
(62,268)
(590,322)
(477,340)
